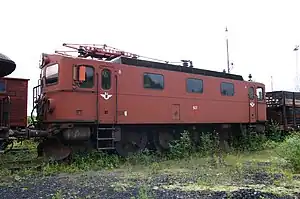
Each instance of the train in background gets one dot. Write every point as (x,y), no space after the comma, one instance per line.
(13,101)
(108,99)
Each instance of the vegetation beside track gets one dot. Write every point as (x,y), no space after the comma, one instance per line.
(269,163)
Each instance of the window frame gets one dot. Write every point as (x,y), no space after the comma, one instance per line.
(223,89)
(76,74)
(263,97)
(58,72)
(193,78)
(5,85)
(253,94)
(150,73)
(110,79)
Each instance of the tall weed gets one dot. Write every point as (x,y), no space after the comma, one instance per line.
(181,148)
(289,150)
(273,132)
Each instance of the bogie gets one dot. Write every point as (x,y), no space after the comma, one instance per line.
(130,140)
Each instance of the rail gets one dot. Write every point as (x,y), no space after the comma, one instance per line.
(12,162)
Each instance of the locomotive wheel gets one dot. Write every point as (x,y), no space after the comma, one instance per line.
(162,140)
(54,150)
(131,143)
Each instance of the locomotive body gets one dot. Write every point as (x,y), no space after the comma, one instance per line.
(128,101)
(117,93)
(172,94)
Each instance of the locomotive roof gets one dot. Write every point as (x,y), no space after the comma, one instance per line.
(172,67)
(114,55)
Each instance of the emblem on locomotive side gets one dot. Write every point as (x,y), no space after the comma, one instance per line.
(106,96)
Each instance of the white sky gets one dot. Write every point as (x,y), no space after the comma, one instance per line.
(262,34)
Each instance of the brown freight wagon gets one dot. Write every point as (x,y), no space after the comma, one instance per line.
(13,102)
(283,107)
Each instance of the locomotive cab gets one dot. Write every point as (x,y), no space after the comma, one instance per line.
(70,96)
(70,89)
(60,81)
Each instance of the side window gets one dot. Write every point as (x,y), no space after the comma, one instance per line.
(106,79)
(251,93)
(89,78)
(227,89)
(194,85)
(51,74)
(2,86)
(153,81)
(259,93)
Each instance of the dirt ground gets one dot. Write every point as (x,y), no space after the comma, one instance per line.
(242,177)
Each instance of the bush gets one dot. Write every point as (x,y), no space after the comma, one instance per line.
(273,132)
(185,146)
(270,144)
(208,144)
(181,148)
(249,141)
(289,150)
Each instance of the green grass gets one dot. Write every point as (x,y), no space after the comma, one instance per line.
(228,176)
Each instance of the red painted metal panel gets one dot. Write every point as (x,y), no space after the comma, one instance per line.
(131,103)
(17,90)
(153,106)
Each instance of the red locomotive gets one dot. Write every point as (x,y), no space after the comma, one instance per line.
(123,102)
(109,99)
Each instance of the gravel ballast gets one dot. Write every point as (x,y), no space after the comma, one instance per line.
(127,185)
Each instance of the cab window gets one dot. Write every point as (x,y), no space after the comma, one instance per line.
(51,74)
(251,93)
(106,79)
(89,77)
(259,94)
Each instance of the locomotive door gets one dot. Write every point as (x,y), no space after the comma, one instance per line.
(261,104)
(252,105)
(106,96)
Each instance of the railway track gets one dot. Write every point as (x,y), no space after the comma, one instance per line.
(16,158)
(20,158)
(23,164)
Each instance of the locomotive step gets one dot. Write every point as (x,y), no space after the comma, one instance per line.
(104,129)
(105,138)
(106,148)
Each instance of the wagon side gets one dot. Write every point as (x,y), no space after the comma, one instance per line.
(283,107)
(13,100)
